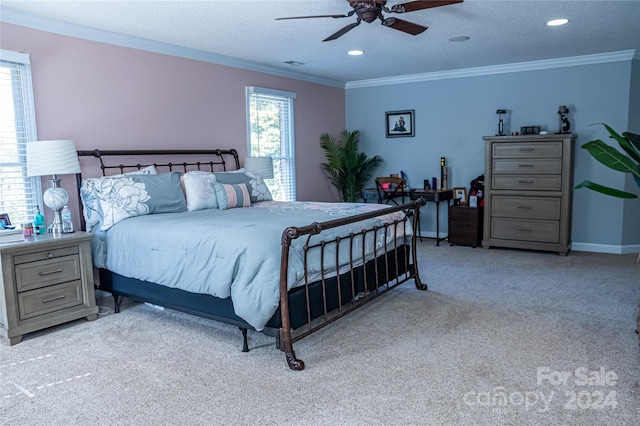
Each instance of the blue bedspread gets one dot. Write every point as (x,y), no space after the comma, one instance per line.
(229,253)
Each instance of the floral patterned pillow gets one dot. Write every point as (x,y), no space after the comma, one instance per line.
(91,211)
(258,190)
(199,188)
(135,195)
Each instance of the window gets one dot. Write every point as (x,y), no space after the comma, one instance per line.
(270,134)
(19,194)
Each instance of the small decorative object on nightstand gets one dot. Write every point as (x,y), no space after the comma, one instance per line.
(465,225)
(46,280)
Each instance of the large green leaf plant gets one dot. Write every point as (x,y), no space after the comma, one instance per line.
(348,169)
(614,159)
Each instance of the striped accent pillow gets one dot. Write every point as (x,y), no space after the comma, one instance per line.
(232,195)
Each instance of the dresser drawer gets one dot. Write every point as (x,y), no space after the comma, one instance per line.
(50,299)
(525,230)
(45,254)
(525,150)
(44,273)
(527,182)
(528,167)
(526,207)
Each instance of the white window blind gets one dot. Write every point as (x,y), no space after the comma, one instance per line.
(270,132)
(19,194)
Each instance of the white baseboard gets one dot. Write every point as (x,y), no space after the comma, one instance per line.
(605,248)
(590,247)
(429,234)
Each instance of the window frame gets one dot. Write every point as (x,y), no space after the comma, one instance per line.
(281,96)
(28,114)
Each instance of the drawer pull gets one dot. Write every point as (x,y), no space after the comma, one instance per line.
(528,166)
(525,230)
(526,149)
(525,207)
(49,255)
(55,271)
(525,181)
(53,298)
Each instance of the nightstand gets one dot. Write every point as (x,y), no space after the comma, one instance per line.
(465,225)
(46,281)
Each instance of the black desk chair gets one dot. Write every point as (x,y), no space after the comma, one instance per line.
(390,188)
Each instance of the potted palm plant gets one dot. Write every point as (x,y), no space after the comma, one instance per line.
(347,168)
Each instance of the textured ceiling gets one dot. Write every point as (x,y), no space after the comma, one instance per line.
(501,32)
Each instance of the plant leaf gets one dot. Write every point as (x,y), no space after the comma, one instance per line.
(623,142)
(610,157)
(605,190)
(634,140)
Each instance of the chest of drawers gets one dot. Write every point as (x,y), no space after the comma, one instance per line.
(528,187)
(46,281)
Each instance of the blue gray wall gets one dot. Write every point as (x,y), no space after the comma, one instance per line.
(452,114)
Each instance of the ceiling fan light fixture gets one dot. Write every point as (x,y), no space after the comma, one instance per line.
(459,38)
(355,52)
(557,22)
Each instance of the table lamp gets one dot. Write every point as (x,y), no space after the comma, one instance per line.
(55,157)
(262,166)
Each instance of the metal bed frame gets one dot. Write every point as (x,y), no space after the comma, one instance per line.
(302,310)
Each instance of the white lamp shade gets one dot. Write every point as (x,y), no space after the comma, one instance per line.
(57,157)
(262,166)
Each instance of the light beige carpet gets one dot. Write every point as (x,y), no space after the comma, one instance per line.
(503,337)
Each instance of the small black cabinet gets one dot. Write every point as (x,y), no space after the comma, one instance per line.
(465,225)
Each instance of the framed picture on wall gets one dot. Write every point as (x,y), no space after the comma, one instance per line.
(400,123)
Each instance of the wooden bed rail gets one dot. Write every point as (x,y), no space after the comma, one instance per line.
(411,209)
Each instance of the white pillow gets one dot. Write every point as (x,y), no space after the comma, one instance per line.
(200,191)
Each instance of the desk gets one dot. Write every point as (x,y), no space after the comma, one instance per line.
(435,195)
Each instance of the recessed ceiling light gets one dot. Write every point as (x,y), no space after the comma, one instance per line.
(556,22)
(459,38)
(355,52)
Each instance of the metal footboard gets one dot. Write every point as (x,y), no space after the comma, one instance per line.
(390,267)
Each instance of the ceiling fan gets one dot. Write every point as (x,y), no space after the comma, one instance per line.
(369,11)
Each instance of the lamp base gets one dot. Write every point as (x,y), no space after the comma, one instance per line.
(56,198)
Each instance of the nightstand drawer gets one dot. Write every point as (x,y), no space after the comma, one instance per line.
(46,254)
(44,273)
(526,207)
(524,150)
(528,167)
(50,299)
(525,230)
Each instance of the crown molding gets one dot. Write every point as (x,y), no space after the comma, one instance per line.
(78,31)
(625,55)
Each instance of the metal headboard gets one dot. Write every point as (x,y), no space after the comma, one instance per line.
(211,160)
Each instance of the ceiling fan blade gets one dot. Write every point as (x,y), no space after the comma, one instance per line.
(404,26)
(317,16)
(343,31)
(420,5)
